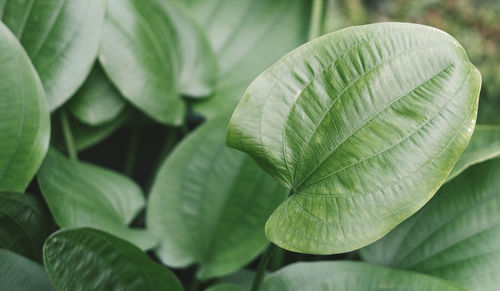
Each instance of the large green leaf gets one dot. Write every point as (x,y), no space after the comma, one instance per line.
(82,194)
(137,53)
(456,236)
(347,276)
(364,125)
(247,37)
(23,227)
(20,274)
(62,39)
(209,204)
(97,102)
(24,117)
(484,145)
(88,259)
(225,287)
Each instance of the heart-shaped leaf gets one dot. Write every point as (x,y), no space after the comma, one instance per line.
(81,194)
(88,259)
(347,276)
(97,102)
(364,125)
(20,274)
(62,39)
(24,116)
(217,191)
(23,227)
(456,236)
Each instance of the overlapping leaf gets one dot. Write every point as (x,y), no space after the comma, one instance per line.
(62,39)
(347,276)
(88,259)
(364,125)
(20,274)
(80,194)
(24,116)
(209,204)
(456,236)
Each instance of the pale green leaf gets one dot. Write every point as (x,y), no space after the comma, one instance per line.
(20,274)
(364,125)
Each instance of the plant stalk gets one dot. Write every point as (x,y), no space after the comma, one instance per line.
(68,136)
(316,19)
(264,261)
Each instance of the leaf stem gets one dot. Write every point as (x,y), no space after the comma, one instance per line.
(131,154)
(264,261)
(316,19)
(68,136)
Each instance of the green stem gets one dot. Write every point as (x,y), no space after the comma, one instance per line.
(316,19)
(68,137)
(264,261)
(131,154)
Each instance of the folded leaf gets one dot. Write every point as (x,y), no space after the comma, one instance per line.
(455,236)
(88,259)
(209,204)
(20,274)
(364,125)
(24,116)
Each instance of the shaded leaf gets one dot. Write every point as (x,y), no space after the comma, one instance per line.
(455,236)
(88,259)
(217,191)
(364,125)
(81,194)
(62,39)
(20,274)
(225,287)
(24,117)
(346,276)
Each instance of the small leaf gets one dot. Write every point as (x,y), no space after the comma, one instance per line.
(97,102)
(484,145)
(62,39)
(347,276)
(455,236)
(221,193)
(88,259)
(364,125)
(137,54)
(23,227)
(24,116)
(20,274)
(81,194)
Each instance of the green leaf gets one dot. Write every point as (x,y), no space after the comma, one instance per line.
(346,276)
(24,116)
(81,194)
(97,102)
(20,274)
(484,145)
(217,191)
(23,227)
(88,259)
(137,54)
(247,37)
(364,125)
(62,39)
(225,287)
(455,236)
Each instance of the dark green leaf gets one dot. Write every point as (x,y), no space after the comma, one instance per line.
(225,287)
(24,116)
(88,259)
(209,204)
(364,125)
(20,274)
(62,39)
(347,276)
(82,194)
(456,236)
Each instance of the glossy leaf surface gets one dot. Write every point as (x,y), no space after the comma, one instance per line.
(88,259)
(80,194)
(217,191)
(23,227)
(137,55)
(455,236)
(24,116)
(97,102)
(347,276)
(364,125)
(20,274)
(62,39)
